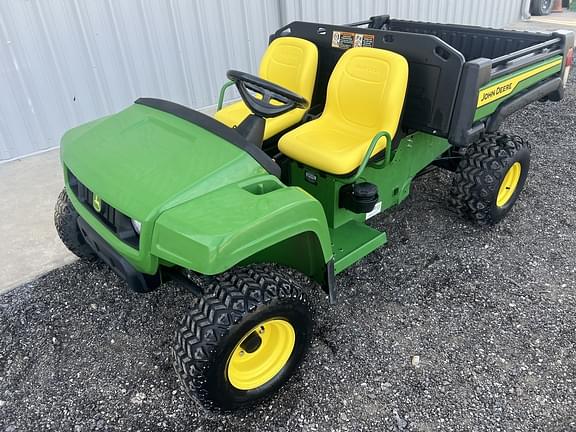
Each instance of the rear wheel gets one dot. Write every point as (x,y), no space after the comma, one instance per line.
(490,177)
(65,220)
(243,339)
(540,7)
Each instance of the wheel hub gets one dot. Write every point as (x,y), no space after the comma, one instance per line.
(252,342)
(261,354)
(509,184)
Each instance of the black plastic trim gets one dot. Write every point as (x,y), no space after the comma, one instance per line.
(529,50)
(379,22)
(215,127)
(517,64)
(358,23)
(520,101)
(252,129)
(475,74)
(137,281)
(113,219)
(472,41)
(330,282)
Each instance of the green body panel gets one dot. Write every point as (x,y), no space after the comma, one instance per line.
(218,230)
(486,110)
(143,161)
(204,204)
(353,241)
(351,238)
(414,153)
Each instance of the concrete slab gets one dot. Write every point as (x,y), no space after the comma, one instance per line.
(565,20)
(30,245)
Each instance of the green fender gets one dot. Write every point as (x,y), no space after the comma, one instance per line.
(257,220)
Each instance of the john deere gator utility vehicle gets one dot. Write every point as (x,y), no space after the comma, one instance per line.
(332,131)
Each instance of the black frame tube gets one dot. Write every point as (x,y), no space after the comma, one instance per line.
(532,49)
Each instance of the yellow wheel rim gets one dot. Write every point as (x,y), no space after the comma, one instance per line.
(261,354)
(509,184)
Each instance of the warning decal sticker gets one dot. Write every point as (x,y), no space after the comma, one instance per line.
(345,40)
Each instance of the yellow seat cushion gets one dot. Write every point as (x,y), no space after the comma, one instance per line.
(290,62)
(365,96)
(233,114)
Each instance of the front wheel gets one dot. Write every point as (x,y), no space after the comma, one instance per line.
(490,177)
(243,339)
(65,220)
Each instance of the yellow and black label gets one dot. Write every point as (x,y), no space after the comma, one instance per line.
(345,40)
(97,203)
(506,87)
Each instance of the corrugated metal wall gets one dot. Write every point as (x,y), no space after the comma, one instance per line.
(490,13)
(65,62)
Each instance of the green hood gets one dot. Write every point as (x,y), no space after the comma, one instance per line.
(143,161)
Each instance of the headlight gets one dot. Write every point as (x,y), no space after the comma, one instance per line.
(136,225)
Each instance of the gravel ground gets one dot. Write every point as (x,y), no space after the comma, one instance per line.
(449,327)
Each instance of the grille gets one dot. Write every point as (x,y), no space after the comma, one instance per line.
(113,219)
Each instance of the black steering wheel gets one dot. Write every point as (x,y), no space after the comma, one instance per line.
(250,86)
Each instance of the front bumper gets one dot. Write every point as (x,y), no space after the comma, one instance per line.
(137,253)
(139,282)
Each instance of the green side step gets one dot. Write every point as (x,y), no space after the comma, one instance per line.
(353,241)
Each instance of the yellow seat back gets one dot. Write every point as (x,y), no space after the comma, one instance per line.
(366,91)
(291,63)
(365,96)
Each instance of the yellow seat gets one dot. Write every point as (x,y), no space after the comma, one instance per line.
(365,96)
(290,62)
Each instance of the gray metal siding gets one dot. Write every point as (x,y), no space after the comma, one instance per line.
(65,62)
(490,13)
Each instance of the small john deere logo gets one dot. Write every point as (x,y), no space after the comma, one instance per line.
(97,203)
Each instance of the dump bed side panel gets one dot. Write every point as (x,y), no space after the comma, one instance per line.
(492,89)
(473,42)
(493,94)
(505,70)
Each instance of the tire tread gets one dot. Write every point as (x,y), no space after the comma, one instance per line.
(480,173)
(65,222)
(228,299)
